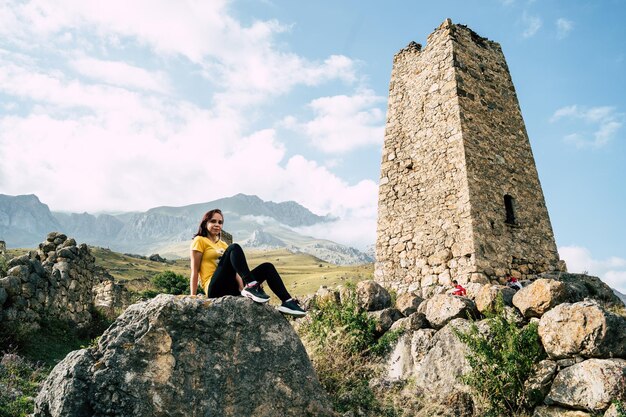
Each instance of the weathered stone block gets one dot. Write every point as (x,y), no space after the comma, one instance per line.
(540,296)
(583,328)
(590,385)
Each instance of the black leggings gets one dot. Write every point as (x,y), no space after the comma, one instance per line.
(232,262)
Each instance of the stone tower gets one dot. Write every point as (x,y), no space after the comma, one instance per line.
(459,195)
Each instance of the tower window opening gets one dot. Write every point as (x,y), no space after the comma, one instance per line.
(510,209)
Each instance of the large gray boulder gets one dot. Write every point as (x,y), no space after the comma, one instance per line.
(583,328)
(441,309)
(540,296)
(590,385)
(438,372)
(188,356)
(409,350)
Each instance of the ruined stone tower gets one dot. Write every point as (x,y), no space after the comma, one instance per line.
(459,193)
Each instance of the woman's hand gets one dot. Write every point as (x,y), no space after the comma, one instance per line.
(196,259)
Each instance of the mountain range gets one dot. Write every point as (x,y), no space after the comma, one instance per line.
(257,224)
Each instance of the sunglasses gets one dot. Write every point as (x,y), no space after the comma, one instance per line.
(213,221)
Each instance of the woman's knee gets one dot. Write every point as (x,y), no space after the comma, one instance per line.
(267,267)
(235,247)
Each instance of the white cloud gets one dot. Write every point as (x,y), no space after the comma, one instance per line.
(90,131)
(122,74)
(563,27)
(611,270)
(343,123)
(243,61)
(599,124)
(532,24)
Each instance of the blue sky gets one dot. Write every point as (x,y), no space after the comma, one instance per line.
(129,105)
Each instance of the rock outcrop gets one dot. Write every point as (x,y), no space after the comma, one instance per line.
(586,345)
(188,356)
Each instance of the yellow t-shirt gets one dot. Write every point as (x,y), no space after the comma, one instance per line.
(211,254)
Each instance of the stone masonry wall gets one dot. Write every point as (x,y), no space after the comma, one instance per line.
(499,162)
(455,144)
(54,282)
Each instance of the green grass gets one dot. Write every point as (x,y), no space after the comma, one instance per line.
(33,354)
(19,384)
(304,274)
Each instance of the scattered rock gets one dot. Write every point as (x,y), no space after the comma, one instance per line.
(538,385)
(384,319)
(157,258)
(441,309)
(590,385)
(410,349)
(372,296)
(540,296)
(488,295)
(587,286)
(545,411)
(408,303)
(437,374)
(414,322)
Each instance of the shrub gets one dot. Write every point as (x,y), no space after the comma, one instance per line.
(502,359)
(19,384)
(345,354)
(3,266)
(170,282)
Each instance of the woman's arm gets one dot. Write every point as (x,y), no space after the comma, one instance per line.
(196,259)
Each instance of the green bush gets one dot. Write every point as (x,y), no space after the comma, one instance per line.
(19,384)
(502,359)
(3,267)
(345,355)
(169,282)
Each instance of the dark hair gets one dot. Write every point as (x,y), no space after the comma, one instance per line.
(202,229)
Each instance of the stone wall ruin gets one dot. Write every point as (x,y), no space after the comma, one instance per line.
(54,282)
